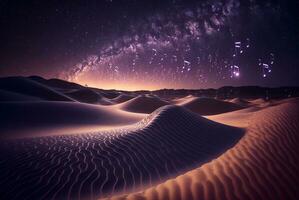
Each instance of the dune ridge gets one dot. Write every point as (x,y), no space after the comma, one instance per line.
(263,165)
(166,143)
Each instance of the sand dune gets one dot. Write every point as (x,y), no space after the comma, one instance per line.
(86,95)
(142,104)
(238,118)
(56,83)
(181,100)
(208,106)
(53,146)
(165,144)
(107,93)
(239,101)
(122,98)
(258,101)
(12,96)
(263,165)
(19,116)
(28,87)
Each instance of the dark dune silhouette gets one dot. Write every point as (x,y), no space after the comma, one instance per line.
(12,96)
(78,92)
(25,86)
(56,83)
(229,92)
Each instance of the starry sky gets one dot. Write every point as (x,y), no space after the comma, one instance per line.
(152,44)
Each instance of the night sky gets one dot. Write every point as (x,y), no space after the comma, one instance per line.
(152,44)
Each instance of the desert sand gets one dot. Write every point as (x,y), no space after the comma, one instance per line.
(142,104)
(88,96)
(208,106)
(60,140)
(262,165)
(122,98)
(19,118)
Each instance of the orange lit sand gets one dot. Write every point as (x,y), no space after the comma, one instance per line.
(263,165)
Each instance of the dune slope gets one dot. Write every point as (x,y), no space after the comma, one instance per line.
(26,86)
(56,83)
(7,96)
(168,142)
(86,95)
(240,101)
(208,106)
(122,98)
(19,116)
(263,165)
(143,104)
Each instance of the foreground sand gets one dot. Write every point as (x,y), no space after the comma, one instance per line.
(170,141)
(263,165)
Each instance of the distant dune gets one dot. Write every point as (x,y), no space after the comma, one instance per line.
(122,98)
(56,83)
(261,166)
(181,100)
(239,101)
(109,94)
(143,104)
(28,87)
(19,116)
(208,106)
(258,101)
(88,96)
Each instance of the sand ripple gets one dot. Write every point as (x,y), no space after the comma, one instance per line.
(263,165)
(167,143)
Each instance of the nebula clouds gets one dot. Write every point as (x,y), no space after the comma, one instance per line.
(183,45)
